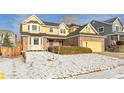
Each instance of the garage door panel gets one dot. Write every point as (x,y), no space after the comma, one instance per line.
(95,46)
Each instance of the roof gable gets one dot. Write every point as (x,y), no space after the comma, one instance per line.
(83,30)
(33,19)
(113,20)
(119,21)
(63,25)
(89,29)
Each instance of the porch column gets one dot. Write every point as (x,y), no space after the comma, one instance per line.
(118,37)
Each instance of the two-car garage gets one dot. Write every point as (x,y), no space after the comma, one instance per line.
(95,46)
(96,43)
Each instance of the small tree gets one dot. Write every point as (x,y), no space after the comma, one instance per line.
(6,41)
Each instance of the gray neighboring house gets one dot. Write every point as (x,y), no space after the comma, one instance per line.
(12,37)
(112,30)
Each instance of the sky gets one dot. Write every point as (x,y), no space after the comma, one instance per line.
(12,21)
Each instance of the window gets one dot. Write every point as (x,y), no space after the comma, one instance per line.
(101,29)
(36,41)
(38,28)
(51,29)
(34,27)
(28,27)
(117,28)
(62,31)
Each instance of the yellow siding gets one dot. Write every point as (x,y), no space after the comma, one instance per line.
(1,75)
(35,47)
(44,28)
(24,27)
(62,26)
(95,46)
(88,29)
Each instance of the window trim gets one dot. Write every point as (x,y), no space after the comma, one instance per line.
(30,27)
(31,41)
(50,29)
(34,43)
(62,32)
(114,28)
(101,31)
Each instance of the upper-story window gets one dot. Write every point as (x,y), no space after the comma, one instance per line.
(28,27)
(101,29)
(116,28)
(51,29)
(34,27)
(62,31)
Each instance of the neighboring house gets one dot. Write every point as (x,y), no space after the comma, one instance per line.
(112,30)
(39,35)
(12,37)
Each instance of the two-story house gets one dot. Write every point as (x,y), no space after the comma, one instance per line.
(111,29)
(12,37)
(39,35)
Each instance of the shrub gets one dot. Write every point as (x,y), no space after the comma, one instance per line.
(69,50)
(120,42)
(6,41)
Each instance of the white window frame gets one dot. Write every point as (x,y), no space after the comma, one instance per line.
(101,31)
(30,27)
(50,29)
(115,28)
(32,41)
(62,33)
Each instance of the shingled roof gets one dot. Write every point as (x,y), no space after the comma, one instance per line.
(111,20)
(78,30)
(51,23)
(73,25)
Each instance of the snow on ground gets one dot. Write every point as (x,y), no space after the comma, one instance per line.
(116,73)
(48,65)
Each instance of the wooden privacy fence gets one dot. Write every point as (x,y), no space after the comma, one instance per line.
(11,52)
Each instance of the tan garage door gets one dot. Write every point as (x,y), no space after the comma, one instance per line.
(95,46)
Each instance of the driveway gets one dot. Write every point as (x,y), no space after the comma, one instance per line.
(113,54)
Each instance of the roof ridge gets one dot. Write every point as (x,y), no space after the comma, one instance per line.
(102,22)
(111,20)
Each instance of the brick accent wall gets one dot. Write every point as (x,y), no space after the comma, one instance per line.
(71,41)
(45,43)
(25,42)
(78,41)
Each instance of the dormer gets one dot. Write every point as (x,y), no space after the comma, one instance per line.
(63,29)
